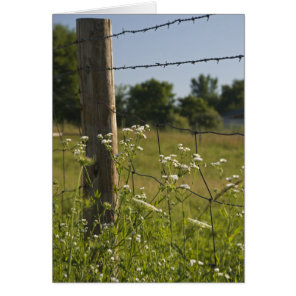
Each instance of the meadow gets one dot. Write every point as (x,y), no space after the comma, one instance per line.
(172,240)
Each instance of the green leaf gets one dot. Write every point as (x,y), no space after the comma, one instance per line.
(235,232)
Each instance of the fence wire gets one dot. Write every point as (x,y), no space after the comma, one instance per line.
(90,69)
(144,30)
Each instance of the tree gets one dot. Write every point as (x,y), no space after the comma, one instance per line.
(152,101)
(232,97)
(66,103)
(199,113)
(205,87)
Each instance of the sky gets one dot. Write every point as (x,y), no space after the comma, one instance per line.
(221,35)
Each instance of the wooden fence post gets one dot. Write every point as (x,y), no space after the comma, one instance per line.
(97,99)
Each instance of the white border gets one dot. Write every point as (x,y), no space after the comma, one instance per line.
(26,148)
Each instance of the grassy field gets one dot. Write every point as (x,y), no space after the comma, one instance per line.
(228,221)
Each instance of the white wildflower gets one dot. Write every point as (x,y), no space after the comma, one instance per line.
(235,176)
(84,138)
(185,167)
(139,268)
(164,176)
(174,177)
(192,262)
(216,163)
(193,165)
(147,205)
(223,160)
(126,186)
(142,188)
(186,149)
(228,179)
(114,280)
(229,185)
(216,269)
(140,128)
(143,196)
(146,247)
(172,268)
(185,186)
(126,130)
(112,258)
(200,263)
(180,145)
(140,148)
(68,140)
(106,141)
(240,245)
(147,126)
(100,136)
(197,158)
(77,152)
(109,251)
(227,276)
(220,274)
(109,135)
(199,223)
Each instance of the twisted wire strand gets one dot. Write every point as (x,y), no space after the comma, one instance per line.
(144,30)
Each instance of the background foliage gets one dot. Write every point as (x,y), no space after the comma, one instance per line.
(152,100)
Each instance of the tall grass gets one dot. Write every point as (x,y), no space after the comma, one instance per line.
(161,233)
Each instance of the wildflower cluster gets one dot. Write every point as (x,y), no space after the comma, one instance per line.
(80,152)
(176,169)
(128,146)
(106,140)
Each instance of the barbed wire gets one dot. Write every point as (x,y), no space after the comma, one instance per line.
(144,30)
(89,69)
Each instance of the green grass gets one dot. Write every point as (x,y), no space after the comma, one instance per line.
(228,221)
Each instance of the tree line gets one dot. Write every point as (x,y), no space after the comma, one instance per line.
(151,100)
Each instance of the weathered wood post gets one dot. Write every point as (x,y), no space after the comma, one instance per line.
(97,99)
